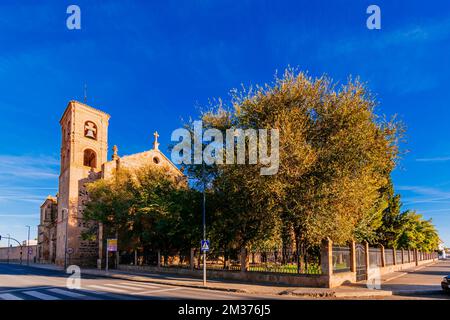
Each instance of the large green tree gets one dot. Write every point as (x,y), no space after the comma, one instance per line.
(148,209)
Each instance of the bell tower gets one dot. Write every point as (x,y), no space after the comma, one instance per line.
(84,148)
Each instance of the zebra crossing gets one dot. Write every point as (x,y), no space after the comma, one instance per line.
(104,291)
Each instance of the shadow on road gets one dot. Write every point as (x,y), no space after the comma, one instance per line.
(22,270)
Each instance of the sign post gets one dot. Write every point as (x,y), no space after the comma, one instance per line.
(205,249)
(69,252)
(111,246)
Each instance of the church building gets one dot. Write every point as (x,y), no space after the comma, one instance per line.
(84,158)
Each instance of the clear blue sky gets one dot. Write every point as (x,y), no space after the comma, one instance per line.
(150,64)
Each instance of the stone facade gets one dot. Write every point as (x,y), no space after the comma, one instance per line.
(46,247)
(84,158)
(19,254)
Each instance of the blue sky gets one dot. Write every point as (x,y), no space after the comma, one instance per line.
(151,64)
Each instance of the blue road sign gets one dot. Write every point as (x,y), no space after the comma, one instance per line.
(205,245)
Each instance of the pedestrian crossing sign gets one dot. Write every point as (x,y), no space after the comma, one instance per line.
(205,245)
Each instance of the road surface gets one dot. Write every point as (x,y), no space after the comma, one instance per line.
(422,283)
(19,282)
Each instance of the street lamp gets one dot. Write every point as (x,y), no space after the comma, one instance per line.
(204,224)
(20,245)
(9,238)
(65,246)
(28,246)
(203,180)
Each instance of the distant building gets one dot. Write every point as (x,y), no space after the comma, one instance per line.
(28,243)
(442,249)
(84,154)
(46,252)
(18,253)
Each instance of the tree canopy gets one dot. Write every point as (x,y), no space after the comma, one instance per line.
(336,156)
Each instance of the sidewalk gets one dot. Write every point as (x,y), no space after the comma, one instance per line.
(357,291)
(421,280)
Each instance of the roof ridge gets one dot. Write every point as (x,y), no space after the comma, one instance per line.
(90,107)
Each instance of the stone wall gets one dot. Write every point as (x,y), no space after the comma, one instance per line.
(307,280)
(15,254)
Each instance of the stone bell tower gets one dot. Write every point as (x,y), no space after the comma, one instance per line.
(84,148)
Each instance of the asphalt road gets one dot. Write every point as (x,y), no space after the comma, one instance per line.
(19,282)
(423,283)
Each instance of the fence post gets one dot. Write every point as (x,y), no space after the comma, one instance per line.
(353,256)
(326,257)
(416,256)
(394,258)
(366,249)
(383,256)
(244,260)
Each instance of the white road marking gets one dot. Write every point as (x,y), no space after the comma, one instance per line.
(156,291)
(106,288)
(9,296)
(68,293)
(22,289)
(108,294)
(143,285)
(40,295)
(122,286)
(395,277)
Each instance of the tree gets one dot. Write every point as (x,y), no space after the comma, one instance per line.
(147,207)
(110,202)
(417,233)
(335,157)
(390,229)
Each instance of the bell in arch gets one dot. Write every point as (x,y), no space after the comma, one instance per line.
(90,134)
(90,130)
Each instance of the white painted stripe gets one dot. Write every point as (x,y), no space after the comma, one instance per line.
(9,296)
(156,291)
(122,286)
(40,295)
(143,285)
(21,289)
(68,293)
(108,294)
(106,288)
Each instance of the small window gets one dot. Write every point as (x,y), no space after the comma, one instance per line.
(90,158)
(156,160)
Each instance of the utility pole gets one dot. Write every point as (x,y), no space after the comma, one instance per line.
(9,238)
(204,224)
(28,246)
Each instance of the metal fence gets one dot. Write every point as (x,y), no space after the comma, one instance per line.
(375,259)
(275,260)
(341,259)
(405,256)
(219,260)
(284,261)
(398,257)
(389,257)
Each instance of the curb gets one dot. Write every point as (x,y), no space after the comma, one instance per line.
(417,292)
(337,294)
